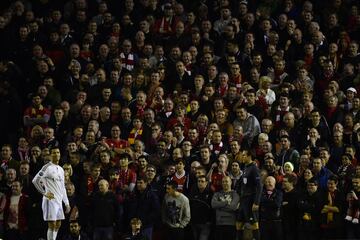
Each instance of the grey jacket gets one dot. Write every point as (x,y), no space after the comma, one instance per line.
(250,125)
(225,204)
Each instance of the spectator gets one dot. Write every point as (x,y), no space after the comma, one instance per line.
(175,212)
(16,213)
(289,207)
(182,70)
(270,204)
(200,204)
(75,232)
(331,210)
(145,205)
(225,203)
(103,214)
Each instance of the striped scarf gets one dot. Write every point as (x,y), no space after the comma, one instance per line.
(128,61)
(330,215)
(134,134)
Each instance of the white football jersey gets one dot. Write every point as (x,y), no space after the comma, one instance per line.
(51,179)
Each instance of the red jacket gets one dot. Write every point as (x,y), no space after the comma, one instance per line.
(23,212)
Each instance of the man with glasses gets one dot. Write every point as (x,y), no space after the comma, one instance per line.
(156,135)
(152,180)
(115,143)
(186,148)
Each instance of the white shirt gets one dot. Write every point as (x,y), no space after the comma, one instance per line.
(51,179)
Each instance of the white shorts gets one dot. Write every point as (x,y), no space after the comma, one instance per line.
(52,210)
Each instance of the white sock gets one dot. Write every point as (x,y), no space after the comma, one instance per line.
(50,234)
(55,234)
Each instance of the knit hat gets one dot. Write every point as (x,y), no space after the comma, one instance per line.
(289,164)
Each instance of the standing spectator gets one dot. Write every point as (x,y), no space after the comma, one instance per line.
(309,211)
(200,204)
(145,206)
(289,207)
(332,204)
(103,212)
(352,213)
(225,203)
(175,212)
(270,205)
(16,213)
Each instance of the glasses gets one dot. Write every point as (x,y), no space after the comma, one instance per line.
(186,144)
(150,170)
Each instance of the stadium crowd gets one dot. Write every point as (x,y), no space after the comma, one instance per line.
(207,119)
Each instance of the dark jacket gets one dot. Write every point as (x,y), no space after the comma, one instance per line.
(145,206)
(82,236)
(290,214)
(103,209)
(270,205)
(200,205)
(309,205)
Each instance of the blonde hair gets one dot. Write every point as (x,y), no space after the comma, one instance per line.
(263,80)
(264,136)
(70,167)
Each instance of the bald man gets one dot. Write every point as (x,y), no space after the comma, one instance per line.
(270,204)
(104,212)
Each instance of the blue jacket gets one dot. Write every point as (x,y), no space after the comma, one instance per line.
(322,177)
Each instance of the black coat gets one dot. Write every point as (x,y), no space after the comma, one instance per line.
(145,206)
(310,205)
(103,209)
(200,205)
(270,205)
